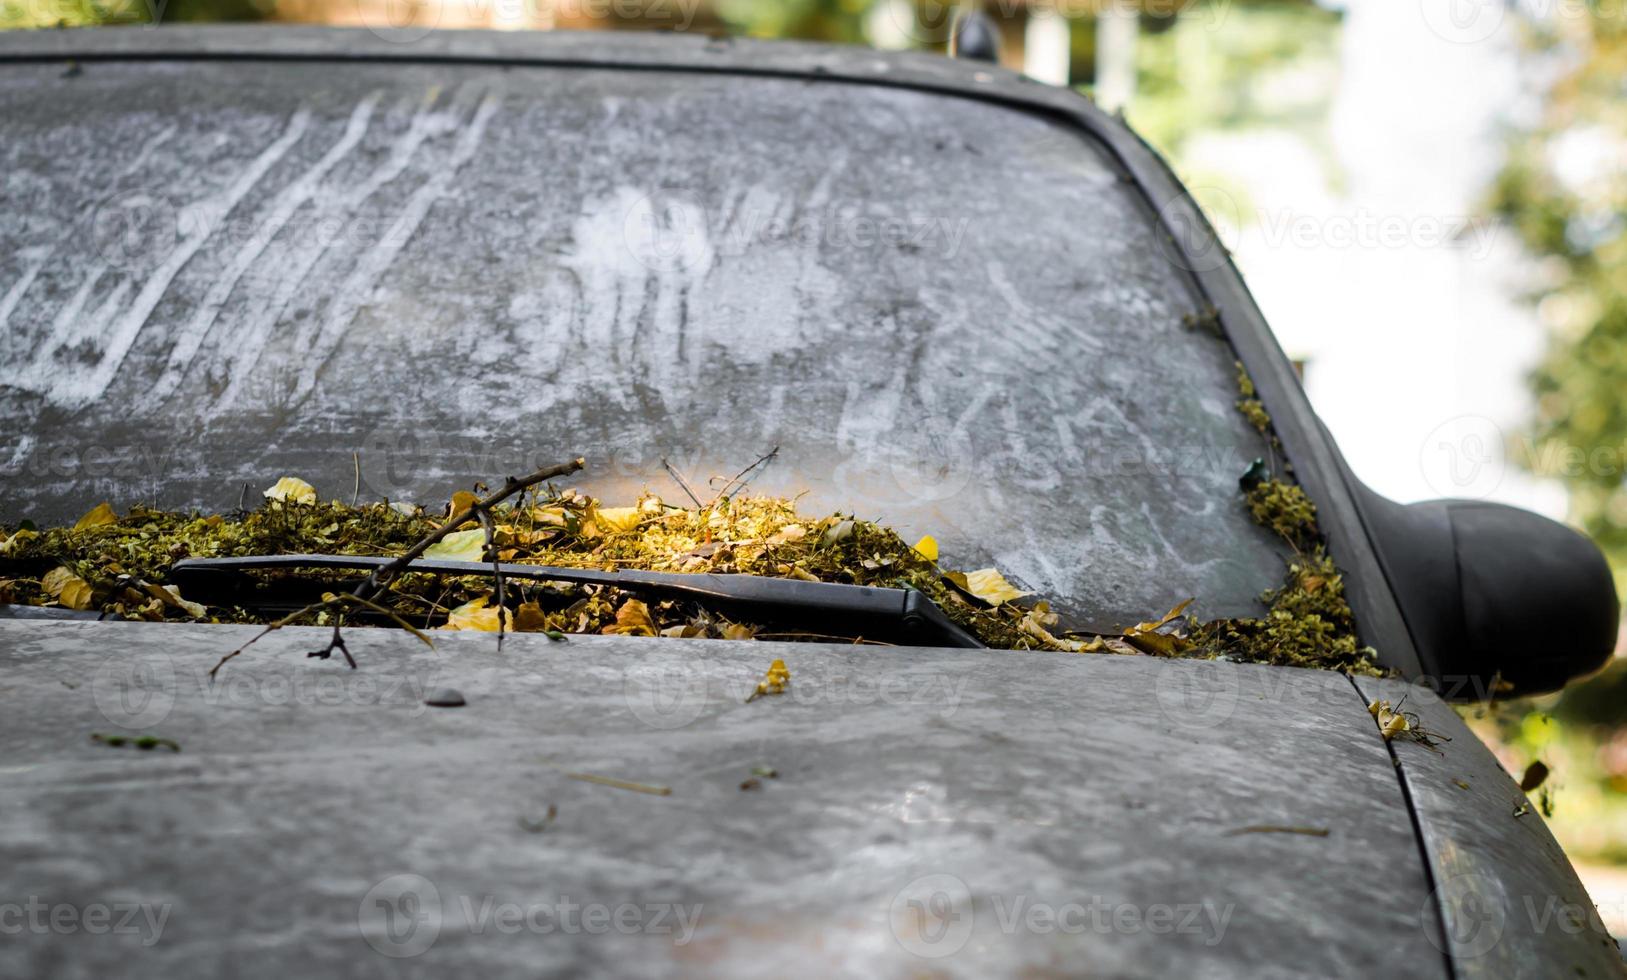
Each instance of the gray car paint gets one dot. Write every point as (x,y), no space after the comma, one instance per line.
(1503,882)
(1020,780)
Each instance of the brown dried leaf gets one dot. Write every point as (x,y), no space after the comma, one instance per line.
(1158,644)
(1535,774)
(632,619)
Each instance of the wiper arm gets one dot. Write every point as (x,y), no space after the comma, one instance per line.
(896,615)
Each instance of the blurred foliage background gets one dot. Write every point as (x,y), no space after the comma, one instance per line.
(1562,190)
(1199,79)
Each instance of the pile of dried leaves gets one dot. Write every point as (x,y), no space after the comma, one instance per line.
(1308,622)
(118,565)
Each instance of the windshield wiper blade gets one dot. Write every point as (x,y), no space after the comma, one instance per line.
(895,615)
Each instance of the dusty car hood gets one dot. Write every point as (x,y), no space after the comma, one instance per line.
(1024,811)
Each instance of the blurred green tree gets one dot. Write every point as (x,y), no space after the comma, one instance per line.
(90,13)
(1226,66)
(72,13)
(814,20)
(1564,192)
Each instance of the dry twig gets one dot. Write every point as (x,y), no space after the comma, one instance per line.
(588,777)
(1267,828)
(497,573)
(381,577)
(681,484)
(739,481)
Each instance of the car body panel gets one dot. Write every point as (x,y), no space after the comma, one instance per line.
(1504,885)
(1032,779)
(1044,779)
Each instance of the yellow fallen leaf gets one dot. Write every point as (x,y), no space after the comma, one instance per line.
(76,594)
(51,582)
(476,614)
(1036,622)
(927,547)
(100,516)
(1390,721)
(17,540)
(774,681)
(170,596)
(1146,638)
(1394,723)
(617,518)
(632,619)
(467,545)
(461,501)
(529,618)
(292,490)
(69,590)
(739,631)
(787,534)
(1158,644)
(1168,618)
(194,609)
(992,587)
(549,515)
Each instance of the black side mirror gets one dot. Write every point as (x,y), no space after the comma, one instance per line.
(1494,593)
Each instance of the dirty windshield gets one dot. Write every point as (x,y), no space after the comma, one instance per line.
(950,317)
